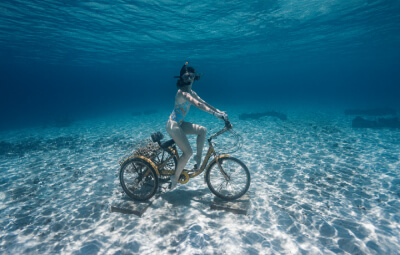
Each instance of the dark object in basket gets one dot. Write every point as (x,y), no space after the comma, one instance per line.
(156,137)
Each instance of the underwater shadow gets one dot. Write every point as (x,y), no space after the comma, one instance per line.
(185,197)
(189,198)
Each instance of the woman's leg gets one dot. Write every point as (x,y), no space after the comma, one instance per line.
(176,132)
(201,132)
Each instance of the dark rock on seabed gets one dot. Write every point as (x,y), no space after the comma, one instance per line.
(360,122)
(249,116)
(149,112)
(371,112)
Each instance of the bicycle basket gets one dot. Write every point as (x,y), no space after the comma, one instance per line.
(228,145)
(145,148)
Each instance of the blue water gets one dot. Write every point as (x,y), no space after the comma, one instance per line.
(80,81)
(81,58)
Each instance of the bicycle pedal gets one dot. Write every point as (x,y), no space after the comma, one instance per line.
(194,169)
(188,171)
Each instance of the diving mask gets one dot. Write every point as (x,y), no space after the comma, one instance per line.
(189,77)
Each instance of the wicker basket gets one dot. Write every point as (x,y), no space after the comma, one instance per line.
(145,148)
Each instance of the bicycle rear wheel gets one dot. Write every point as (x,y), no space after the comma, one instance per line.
(169,168)
(138,179)
(231,182)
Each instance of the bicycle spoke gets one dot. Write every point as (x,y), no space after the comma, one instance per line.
(229,179)
(224,184)
(136,170)
(166,162)
(231,173)
(220,186)
(138,179)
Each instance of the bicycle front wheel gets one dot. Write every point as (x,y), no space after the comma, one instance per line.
(138,179)
(229,182)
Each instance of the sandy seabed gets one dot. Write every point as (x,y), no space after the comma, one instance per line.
(318,187)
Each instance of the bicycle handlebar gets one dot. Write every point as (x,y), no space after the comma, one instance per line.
(228,126)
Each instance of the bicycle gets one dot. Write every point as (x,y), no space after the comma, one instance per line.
(140,175)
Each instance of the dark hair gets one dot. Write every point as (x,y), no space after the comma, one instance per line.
(190,69)
(180,83)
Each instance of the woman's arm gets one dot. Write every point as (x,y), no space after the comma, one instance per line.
(188,97)
(194,94)
(202,106)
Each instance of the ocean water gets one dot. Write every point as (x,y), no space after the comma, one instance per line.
(82,81)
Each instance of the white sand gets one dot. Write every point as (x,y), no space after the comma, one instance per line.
(318,187)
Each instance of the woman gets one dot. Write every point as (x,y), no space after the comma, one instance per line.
(177,128)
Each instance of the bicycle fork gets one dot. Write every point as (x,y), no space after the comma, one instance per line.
(227,178)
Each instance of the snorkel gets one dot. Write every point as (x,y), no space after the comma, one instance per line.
(184,69)
(187,75)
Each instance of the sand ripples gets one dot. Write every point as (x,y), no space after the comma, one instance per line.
(318,187)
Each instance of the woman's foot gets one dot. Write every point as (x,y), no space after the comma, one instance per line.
(174,182)
(198,161)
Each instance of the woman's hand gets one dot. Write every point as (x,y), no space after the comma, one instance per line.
(223,113)
(220,115)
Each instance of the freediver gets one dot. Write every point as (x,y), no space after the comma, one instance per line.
(177,128)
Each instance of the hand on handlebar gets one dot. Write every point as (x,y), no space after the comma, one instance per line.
(221,115)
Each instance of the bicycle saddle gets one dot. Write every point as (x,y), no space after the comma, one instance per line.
(158,136)
(167,144)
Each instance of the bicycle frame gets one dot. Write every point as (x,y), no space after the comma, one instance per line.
(205,164)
